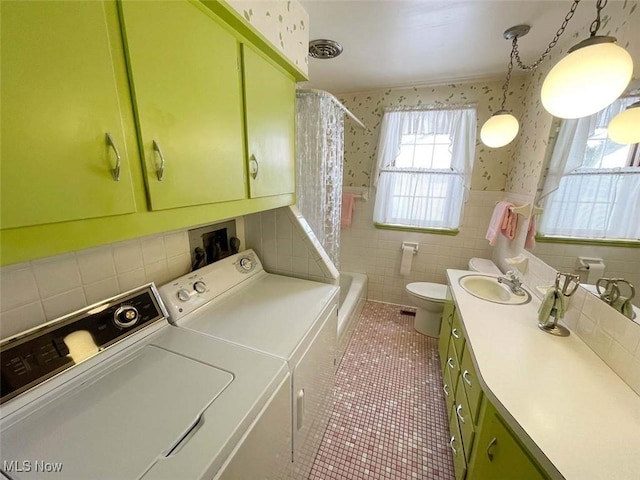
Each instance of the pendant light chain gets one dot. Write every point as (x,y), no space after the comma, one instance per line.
(557,36)
(595,25)
(505,87)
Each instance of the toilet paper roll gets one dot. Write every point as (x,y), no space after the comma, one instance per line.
(407,258)
(596,271)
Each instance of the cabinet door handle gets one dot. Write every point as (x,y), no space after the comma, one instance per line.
(116,170)
(300,412)
(159,169)
(444,387)
(454,332)
(450,363)
(453,449)
(253,166)
(465,376)
(458,410)
(492,443)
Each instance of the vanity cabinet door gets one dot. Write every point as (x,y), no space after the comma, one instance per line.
(185,73)
(457,449)
(497,453)
(270,118)
(469,380)
(59,101)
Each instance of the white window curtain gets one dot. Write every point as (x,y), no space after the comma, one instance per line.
(583,202)
(422,197)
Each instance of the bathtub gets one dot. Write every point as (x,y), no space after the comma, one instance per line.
(353,293)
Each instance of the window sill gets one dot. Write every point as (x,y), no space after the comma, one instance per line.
(589,241)
(407,228)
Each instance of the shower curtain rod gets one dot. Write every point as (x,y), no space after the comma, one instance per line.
(333,97)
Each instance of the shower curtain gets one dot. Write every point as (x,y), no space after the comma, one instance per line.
(319,157)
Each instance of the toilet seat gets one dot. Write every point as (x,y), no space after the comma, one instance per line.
(434,292)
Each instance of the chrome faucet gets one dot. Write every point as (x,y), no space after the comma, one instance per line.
(513,282)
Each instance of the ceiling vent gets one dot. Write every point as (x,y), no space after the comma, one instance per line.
(324,49)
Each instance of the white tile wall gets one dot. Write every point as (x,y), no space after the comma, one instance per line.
(377,252)
(34,292)
(285,243)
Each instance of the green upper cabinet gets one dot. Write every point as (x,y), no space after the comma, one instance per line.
(270,121)
(186,82)
(59,101)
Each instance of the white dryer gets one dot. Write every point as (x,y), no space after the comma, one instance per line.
(114,391)
(289,318)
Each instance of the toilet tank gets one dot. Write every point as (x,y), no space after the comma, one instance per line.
(484,265)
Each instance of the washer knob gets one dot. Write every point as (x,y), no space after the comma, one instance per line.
(200,286)
(125,316)
(184,295)
(246,264)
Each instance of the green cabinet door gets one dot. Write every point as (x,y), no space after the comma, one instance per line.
(445,332)
(270,119)
(185,74)
(498,455)
(59,100)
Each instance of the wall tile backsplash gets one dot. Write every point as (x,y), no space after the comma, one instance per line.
(34,292)
(285,243)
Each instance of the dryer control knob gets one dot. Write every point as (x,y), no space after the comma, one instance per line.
(200,286)
(125,316)
(184,295)
(246,263)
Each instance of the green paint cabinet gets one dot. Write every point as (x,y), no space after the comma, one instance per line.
(498,453)
(270,119)
(481,444)
(59,101)
(186,83)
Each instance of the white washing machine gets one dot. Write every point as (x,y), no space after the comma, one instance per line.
(288,318)
(115,392)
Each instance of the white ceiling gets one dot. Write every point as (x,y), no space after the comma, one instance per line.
(402,43)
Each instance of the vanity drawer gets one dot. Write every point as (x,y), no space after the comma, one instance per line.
(469,380)
(453,364)
(457,449)
(450,380)
(465,421)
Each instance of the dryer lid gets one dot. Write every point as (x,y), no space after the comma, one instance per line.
(119,424)
(435,292)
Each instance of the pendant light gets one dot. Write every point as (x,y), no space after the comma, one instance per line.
(594,73)
(502,127)
(625,127)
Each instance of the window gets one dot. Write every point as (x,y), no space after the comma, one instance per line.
(592,188)
(424,167)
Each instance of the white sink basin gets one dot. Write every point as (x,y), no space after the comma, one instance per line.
(488,288)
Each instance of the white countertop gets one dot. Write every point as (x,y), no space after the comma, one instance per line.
(577,417)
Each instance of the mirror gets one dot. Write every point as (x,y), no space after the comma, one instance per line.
(594,260)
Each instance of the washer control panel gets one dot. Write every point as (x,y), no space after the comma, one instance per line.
(187,293)
(30,358)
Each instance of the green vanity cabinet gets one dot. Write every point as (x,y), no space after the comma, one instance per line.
(482,446)
(498,453)
(270,95)
(61,125)
(186,83)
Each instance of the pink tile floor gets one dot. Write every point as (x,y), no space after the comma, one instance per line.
(389,415)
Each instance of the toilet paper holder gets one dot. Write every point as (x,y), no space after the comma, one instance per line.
(584,263)
(412,245)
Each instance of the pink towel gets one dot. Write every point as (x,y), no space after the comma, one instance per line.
(530,242)
(509,224)
(348,205)
(500,214)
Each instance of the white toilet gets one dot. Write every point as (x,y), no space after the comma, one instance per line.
(428,298)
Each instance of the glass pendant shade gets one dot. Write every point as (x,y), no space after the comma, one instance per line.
(594,73)
(625,127)
(499,130)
